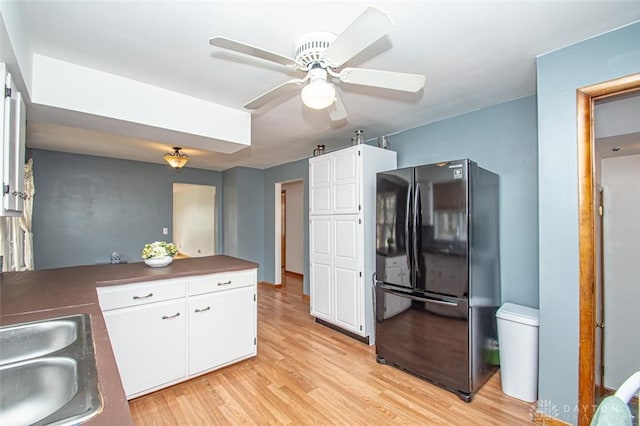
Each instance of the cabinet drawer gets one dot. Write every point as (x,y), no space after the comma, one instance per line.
(121,296)
(222,281)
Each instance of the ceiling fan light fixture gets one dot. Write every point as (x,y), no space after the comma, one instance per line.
(176,159)
(318,93)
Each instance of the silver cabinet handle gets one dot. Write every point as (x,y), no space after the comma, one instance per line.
(142,297)
(203,310)
(171,316)
(227,283)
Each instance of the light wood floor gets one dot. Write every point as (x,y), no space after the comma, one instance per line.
(306,373)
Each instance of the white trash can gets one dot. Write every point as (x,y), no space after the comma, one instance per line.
(518,339)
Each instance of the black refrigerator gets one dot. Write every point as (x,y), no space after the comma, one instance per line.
(438,272)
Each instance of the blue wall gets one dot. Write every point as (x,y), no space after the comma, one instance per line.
(230,211)
(243,214)
(290,171)
(87,207)
(502,139)
(560,73)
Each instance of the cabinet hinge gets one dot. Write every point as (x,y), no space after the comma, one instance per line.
(360,274)
(600,211)
(5,189)
(7,92)
(255,341)
(358,156)
(360,328)
(254,297)
(359,207)
(360,221)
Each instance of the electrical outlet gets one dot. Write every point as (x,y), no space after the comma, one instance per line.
(165,231)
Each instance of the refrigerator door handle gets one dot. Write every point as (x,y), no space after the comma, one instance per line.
(417,228)
(422,299)
(407,228)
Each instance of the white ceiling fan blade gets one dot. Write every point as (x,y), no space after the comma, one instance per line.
(368,28)
(338,111)
(385,79)
(274,93)
(237,46)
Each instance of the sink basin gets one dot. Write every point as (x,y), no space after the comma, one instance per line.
(25,341)
(33,389)
(48,373)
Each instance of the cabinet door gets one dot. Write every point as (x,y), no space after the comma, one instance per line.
(345,181)
(222,328)
(149,344)
(320,267)
(320,184)
(13,150)
(347,280)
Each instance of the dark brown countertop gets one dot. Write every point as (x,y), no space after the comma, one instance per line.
(37,295)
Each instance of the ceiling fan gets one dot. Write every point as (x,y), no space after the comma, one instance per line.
(321,55)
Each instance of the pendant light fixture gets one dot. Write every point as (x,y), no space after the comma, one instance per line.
(176,159)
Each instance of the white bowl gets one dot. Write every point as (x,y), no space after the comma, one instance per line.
(158,262)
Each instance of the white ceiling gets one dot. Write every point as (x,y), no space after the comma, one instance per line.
(473,53)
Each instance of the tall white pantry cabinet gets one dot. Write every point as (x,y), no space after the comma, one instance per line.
(342,232)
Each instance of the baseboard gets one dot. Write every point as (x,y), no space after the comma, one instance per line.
(267,283)
(294,274)
(343,331)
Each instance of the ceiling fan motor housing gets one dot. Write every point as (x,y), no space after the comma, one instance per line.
(311,46)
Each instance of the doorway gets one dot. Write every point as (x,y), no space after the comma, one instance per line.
(588,212)
(194,219)
(283,231)
(289,229)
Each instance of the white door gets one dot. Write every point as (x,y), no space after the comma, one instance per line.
(320,267)
(347,280)
(149,343)
(320,184)
(345,181)
(221,328)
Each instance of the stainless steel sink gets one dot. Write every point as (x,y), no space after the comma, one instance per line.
(48,373)
(32,340)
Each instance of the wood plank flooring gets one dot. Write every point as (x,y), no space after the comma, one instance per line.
(306,373)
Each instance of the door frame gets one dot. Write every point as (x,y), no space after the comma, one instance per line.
(585,98)
(283,230)
(277,227)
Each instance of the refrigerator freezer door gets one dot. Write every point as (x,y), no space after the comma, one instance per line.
(427,336)
(441,223)
(394,227)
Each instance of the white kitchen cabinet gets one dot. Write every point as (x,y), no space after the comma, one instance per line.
(222,328)
(334,182)
(148,342)
(342,202)
(222,319)
(321,267)
(167,331)
(12,146)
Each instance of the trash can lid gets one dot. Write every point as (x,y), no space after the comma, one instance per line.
(519,313)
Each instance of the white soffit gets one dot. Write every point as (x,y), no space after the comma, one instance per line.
(65,86)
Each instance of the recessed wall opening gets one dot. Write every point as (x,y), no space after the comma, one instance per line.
(194,219)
